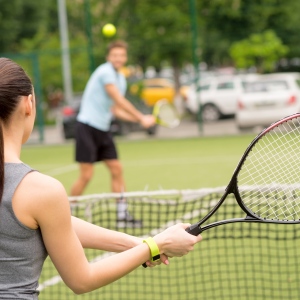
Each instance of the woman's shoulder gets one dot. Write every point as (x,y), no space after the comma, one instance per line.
(42,186)
(36,197)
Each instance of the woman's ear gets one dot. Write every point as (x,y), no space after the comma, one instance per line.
(29,105)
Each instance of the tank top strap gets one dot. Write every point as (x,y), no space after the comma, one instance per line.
(14,174)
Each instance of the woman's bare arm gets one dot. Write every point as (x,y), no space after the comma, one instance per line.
(95,237)
(45,204)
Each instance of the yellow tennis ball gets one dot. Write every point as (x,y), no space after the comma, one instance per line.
(109,30)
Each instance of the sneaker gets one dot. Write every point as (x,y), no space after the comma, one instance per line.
(129,222)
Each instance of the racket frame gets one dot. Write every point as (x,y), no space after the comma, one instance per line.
(156,110)
(232,188)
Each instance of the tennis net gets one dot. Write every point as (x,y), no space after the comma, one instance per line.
(235,261)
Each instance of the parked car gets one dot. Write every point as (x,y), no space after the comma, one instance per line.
(268,99)
(117,127)
(218,96)
(155,89)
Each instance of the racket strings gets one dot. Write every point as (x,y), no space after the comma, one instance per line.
(168,115)
(269,181)
(285,204)
(287,211)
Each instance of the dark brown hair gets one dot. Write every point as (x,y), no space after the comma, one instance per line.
(14,83)
(116,44)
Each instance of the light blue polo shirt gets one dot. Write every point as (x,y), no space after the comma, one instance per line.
(95,108)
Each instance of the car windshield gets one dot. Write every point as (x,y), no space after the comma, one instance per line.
(265,86)
(228,85)
(203,87)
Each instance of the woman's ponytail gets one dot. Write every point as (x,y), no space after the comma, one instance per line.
(1,161)
(14,83)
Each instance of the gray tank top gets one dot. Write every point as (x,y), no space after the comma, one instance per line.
(22,251)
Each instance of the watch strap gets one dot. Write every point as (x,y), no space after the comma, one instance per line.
(154,250)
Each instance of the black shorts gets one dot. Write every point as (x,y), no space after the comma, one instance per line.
(93,145)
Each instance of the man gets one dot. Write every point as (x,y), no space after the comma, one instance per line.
(103,97)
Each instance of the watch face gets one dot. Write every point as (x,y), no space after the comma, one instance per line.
(156,257)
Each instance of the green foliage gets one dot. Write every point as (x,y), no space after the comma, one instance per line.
(224,22)
(20,19)
(50,61)
(158,32)
(261,50)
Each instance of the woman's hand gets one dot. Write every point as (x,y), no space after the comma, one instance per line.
(163,259)
(175,241)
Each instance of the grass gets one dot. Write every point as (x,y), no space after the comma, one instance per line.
(150,164)
(225,266)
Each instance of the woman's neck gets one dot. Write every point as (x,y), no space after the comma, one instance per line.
(12,146)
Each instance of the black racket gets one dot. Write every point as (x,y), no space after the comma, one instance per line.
(266,182)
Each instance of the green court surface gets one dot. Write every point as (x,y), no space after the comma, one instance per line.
(233,261)
(150,164)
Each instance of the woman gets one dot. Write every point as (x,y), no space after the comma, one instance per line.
(35,215)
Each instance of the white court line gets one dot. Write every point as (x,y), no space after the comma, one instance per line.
(151,162)
(62,170)
(181,161)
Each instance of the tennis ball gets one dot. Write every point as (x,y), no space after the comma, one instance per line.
(109,30)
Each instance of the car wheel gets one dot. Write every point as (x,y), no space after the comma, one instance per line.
(210,113)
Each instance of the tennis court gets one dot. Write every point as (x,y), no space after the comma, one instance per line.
(236,261)
(150,164)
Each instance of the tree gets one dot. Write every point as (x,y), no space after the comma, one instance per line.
(157,31)
(224,22)
(20,19)
(262,50)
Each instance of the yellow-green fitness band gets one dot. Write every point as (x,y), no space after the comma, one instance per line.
(155,255)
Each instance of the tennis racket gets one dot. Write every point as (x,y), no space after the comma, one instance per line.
(266,181)
(166,114)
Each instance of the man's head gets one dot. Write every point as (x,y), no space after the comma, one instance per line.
(117,54)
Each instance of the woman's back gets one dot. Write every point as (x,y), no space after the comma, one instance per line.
(22,251)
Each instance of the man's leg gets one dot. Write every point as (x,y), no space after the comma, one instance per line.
(116,172)
(118,186)
(86,174)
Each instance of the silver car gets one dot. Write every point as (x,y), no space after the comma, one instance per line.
(268,99)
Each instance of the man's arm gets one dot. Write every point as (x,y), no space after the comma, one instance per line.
(122,114)
(122,102)
(145,120)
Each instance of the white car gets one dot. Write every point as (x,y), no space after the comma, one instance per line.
(218,96)
(264,101)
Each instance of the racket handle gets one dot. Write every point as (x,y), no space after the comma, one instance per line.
(194,229)
(144,265)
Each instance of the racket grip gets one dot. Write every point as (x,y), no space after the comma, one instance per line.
(144,265)
(194,229)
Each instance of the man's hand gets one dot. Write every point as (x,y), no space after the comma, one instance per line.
(147,121)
